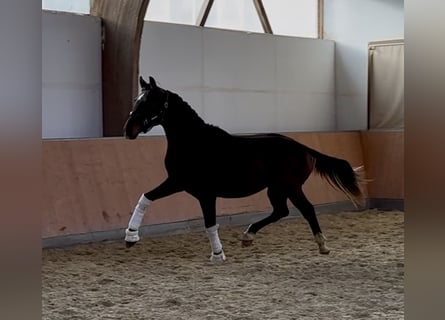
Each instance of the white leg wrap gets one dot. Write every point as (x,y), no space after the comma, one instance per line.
(136,220)
(138,213)
(212,232)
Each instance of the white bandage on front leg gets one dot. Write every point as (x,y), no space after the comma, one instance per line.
(212,232)
(217,251)
(131,234)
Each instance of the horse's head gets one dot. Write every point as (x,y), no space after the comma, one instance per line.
(148,109)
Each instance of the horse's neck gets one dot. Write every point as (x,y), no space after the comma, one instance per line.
(182,122)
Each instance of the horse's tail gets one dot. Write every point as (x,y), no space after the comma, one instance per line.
(340,175)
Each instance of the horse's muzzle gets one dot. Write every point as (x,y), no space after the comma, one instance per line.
(130,138)
(131,129)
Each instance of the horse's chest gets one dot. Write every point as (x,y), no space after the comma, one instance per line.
(189,162)
(182,161)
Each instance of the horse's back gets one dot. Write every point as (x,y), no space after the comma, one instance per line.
(239,165)
(257,161)
(269,145)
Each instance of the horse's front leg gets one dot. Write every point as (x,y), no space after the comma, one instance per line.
(208,205)
(168,187)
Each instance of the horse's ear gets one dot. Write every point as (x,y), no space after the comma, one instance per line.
(144,85)
(153,83)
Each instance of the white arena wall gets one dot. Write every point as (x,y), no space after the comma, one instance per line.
(243,82)
(71,76)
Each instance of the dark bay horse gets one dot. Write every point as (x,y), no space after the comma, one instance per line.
(207,162)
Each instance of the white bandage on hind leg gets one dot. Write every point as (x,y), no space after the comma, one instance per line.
(212,232)
(138,213)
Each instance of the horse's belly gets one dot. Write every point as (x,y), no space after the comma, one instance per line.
(226,176)
(238,184)
(238,190)
(225,184)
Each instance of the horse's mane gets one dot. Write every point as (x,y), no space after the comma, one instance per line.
(186,113)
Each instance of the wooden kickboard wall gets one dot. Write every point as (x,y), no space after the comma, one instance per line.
(93,185)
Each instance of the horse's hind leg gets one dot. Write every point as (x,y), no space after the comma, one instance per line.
(278,200)
(306,208)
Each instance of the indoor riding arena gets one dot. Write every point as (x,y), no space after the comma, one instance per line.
(322,73)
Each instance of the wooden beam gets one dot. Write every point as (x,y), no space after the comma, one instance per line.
(263,16)
(320,19)
(122,22)
(204,13)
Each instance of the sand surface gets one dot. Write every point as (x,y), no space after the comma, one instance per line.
(282,276)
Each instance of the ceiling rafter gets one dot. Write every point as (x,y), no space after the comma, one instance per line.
(204,13)
(263,16)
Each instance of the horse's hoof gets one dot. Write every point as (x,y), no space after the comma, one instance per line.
(247,239)
(218,257)
(129,244)
(131,237)
(321,240)
(246,243)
